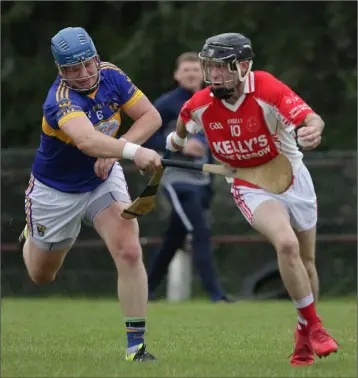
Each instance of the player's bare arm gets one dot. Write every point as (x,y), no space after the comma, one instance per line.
(146,121)
(93,143)
(177,139)
(309,136)
(181,130)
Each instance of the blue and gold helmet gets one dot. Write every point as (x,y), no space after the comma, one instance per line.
(72,46)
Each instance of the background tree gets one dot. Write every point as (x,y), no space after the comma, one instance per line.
(312,46)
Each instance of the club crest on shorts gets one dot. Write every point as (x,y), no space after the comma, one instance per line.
(41,229)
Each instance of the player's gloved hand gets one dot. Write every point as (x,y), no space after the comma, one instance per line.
(102,166)
(174,142)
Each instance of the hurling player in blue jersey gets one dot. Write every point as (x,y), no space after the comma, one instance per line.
(76,177)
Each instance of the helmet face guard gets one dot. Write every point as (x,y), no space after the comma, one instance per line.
(71,82)
(225,53)
(232,67)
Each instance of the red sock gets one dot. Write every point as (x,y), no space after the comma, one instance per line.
(306,308)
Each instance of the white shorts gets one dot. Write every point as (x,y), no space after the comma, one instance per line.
(299,200)
(54,217)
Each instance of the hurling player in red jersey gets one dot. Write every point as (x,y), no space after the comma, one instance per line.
(249,117)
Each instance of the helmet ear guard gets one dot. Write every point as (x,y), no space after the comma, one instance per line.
(238,69)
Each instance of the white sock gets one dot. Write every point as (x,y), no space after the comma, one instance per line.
(304,302)
(301,322)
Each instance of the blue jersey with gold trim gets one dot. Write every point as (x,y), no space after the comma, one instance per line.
(58,162)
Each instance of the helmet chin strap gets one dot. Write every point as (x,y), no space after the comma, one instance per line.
(222,93)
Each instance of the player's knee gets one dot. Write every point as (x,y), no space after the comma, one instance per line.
(129,251)
(287,245)
(41,278)
(132,254)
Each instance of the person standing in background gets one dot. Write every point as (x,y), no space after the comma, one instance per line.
(188,192)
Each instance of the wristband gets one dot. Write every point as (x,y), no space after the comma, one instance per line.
(179,141)
(129,150)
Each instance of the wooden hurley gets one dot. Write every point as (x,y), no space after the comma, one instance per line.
(274,176)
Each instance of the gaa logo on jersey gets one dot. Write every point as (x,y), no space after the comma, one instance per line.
(215,126)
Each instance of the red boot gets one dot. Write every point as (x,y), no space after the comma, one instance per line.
(322,343)
(303,354)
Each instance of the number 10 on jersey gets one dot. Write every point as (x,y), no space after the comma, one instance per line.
(235,130)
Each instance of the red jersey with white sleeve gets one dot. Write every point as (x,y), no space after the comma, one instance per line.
(253,131)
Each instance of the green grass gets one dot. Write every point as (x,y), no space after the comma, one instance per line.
(85,338)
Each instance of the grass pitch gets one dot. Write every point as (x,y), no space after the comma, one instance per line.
(85,338)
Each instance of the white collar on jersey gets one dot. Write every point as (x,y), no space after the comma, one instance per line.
(249,83)
(249,87)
